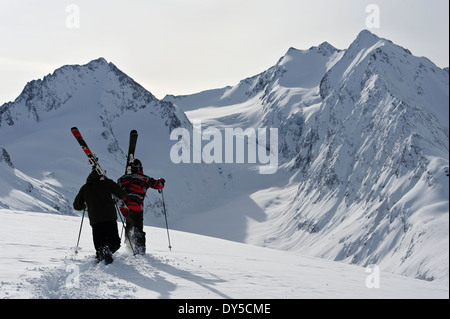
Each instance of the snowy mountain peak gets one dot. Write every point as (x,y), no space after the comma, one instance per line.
(325,49)
(380,63)
(98,84)
(98,62)
(367,39)
(365,36)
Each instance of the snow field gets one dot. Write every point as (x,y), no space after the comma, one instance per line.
(41,263)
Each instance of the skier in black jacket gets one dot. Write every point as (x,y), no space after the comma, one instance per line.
(95,196)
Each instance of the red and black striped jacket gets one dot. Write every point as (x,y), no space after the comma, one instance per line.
(136,186)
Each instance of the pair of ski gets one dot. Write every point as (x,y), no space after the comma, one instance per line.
(93,160)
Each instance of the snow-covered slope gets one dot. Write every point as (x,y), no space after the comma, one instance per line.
(40,265)
(364,148)
(374,163)
(22,192)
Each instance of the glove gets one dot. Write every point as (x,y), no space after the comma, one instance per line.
(159,184)
(124,211)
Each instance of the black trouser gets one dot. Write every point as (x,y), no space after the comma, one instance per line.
(135,231)
(106,235)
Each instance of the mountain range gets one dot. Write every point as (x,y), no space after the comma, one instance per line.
(363,151)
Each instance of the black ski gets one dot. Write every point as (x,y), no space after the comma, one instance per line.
(131,149)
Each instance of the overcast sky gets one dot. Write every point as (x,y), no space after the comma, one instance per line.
(187,46)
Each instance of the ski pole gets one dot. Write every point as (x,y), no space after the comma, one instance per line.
(123,226)
(79,234)
(165,215)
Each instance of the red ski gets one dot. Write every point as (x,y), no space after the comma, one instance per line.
(93,160)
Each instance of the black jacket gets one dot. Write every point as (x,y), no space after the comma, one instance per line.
(95,195)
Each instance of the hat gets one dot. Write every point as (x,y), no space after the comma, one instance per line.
(136,166)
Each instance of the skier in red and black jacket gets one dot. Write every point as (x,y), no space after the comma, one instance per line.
(136,185)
